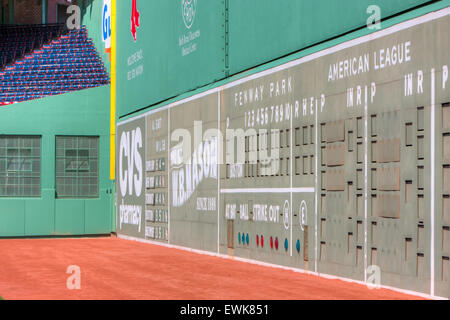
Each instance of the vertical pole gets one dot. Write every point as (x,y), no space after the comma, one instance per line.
(112,141)
(44,11)
(432,175)
(168,177)
(316,194)
(291,172)
(366,172)
(219,160)
(113,93)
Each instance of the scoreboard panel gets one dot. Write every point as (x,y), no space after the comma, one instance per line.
(194,172)
(156,183)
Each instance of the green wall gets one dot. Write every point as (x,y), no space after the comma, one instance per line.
(79,113)
(230,36)
(157,65)
(264,30)
(297,55)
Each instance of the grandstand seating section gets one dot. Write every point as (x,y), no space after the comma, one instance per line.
(42,60)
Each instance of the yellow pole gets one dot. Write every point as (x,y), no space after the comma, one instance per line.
(112,167)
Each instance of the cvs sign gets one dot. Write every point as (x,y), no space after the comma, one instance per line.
(131,168)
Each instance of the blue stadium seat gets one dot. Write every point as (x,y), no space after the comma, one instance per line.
(41,60)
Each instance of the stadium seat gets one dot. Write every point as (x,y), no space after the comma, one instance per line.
(42,60)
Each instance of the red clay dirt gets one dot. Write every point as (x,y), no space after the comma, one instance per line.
(113,268)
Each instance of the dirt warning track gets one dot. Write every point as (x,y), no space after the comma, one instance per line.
(113,268)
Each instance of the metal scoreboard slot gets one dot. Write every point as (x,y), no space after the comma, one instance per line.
(150,166)
(150,232)
(150,215)
(150,182)
(150,199)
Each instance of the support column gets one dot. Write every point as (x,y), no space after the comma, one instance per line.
(44,11)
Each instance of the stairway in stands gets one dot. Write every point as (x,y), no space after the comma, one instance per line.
(62,62)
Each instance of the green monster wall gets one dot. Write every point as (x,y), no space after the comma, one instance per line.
(361,179)
(171,56)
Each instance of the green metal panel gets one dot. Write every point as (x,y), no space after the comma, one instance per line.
(84,113)
(262,30)
(69,217)
(112,208)
(170,56)
(12,218)
(98,216)
(40,215)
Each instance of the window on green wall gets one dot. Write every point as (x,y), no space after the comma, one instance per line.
(76,167)
(20,166)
